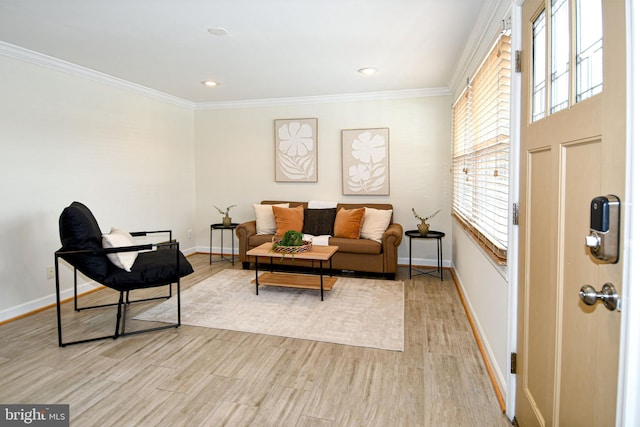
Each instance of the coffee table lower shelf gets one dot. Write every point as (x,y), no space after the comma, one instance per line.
(292,280)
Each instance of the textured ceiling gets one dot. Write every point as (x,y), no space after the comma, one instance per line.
(275,48)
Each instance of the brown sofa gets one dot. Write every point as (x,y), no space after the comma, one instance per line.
(362,255)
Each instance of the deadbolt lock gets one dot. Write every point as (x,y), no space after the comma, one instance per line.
(603,241)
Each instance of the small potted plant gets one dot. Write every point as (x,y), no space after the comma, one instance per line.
(292,242)
(423,227)
(226,219)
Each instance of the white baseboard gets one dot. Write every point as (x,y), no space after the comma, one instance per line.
(418,262)
(39,303)
(424,262)
(494,367)
(189,251)
(215,250)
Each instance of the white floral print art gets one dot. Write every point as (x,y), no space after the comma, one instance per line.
(296,150)
(365,162)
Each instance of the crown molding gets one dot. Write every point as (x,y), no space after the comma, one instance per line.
(325,99)
(50,62)
(56,64)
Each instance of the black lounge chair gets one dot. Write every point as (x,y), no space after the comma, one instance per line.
(157,264)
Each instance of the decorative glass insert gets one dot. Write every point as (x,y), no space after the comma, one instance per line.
(539,68)
(560,44)
(589,60)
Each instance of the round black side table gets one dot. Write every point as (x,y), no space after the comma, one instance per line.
(432,234)
(222,227)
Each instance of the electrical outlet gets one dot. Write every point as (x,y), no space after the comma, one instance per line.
(50,272)
(189,234)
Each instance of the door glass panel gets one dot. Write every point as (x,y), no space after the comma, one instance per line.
(589,68)
(538,99)
(559,43)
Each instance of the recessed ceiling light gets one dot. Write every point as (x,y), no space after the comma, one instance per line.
(210,83)
(218,31)
(368,71)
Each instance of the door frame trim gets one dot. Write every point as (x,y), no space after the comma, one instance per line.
(514,197)
(628,404)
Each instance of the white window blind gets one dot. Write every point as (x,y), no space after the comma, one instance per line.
(480,155)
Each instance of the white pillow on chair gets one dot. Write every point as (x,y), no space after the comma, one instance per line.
(118,238)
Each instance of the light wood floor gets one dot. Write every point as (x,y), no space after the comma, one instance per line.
(194,376)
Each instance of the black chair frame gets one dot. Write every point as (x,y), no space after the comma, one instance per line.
(123,300)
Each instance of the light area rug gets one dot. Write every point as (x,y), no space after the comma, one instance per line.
(357,312)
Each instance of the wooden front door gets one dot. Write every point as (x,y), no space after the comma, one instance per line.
(567,364)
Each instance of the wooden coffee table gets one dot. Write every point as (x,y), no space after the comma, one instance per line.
(290,280)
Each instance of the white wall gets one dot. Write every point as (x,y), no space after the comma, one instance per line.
(235,162)
(129,157)
(485,289)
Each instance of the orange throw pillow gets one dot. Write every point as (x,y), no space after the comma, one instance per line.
(288,219)
(348,223)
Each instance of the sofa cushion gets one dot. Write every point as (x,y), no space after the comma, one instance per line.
(348,223)
(119,238)
(376,222)
(358,246)
(288,219)
(319,222)
(265,221)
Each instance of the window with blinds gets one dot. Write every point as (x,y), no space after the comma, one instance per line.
(480,154)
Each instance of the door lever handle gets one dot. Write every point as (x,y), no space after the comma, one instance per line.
(608,295)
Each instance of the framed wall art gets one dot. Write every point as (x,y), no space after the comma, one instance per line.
(365,162)
(296,147)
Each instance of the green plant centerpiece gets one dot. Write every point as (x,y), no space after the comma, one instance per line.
(291,238)
(292,242)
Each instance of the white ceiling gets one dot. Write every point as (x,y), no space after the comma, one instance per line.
(275,48)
